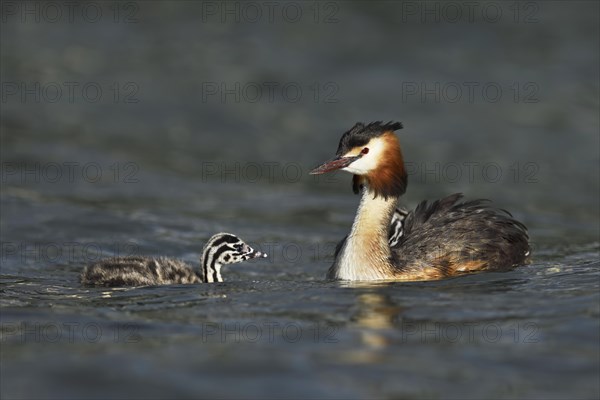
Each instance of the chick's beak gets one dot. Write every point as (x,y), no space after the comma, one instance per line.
(334,164)
(251,253)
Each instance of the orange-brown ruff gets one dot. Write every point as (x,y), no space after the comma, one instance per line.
(440,239)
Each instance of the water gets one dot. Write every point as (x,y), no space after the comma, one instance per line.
(181,164)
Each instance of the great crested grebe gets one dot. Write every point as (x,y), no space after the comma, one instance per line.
(437,240)
(221,249)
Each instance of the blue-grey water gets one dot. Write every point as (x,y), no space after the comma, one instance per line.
(145,127)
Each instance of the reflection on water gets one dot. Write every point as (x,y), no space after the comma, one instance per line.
(374,313)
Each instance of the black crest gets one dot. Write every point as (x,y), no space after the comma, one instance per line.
(360,134)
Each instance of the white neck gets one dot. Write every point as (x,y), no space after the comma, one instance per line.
(366,254)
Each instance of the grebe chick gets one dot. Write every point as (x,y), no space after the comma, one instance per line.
(437,240)
(221,249)
(397,226)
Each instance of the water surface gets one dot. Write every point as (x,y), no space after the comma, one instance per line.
(83,180)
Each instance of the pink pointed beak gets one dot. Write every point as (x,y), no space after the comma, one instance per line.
(334,164)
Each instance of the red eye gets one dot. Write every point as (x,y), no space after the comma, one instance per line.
(365,150)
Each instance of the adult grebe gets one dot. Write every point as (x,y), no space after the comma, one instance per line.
(440,239)
(221,249)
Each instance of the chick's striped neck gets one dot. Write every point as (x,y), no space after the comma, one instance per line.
(211,256)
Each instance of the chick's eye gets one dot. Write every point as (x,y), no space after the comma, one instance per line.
(364,151)
(238,247)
